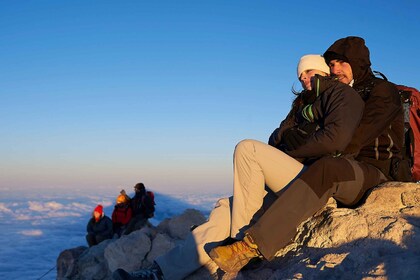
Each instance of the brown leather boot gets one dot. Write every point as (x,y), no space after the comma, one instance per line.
(232,258)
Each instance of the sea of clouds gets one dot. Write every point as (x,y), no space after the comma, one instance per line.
(36,225)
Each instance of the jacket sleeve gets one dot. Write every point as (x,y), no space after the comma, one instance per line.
(381,108)
(114,215)
(338,112)
(89,228)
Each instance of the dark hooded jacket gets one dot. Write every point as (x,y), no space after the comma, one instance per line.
(336,110)
(142,205)
(103,227)
(379,138)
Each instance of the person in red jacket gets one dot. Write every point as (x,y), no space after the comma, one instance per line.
(122,214)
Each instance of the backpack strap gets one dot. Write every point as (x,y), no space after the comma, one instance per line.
(377,73)
(409,142)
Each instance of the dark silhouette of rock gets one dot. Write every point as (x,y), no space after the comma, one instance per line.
(67,260)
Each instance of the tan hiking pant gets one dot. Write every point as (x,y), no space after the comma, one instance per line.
(256,166)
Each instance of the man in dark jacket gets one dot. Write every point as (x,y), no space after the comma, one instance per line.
(99,227)
(143,208)
(379,137)
(371,158)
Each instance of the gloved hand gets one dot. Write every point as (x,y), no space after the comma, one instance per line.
(294,138)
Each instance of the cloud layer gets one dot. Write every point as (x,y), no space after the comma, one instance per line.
(37,227)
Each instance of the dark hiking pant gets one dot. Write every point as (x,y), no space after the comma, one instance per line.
(93,239)
(345,180)
(135,223)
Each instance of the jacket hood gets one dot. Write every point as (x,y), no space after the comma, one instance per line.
(354,51)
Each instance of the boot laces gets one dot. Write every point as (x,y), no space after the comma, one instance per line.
(241,247)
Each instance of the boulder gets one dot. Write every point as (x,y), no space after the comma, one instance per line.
(122,252)
(92,264)
(66,262)
(130,252)
(179,226)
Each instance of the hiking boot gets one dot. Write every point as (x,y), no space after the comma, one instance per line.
(232,258)
(153,273)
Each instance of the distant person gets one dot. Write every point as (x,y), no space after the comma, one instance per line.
(122,213)
(122,192)
(143,208)
(99,227)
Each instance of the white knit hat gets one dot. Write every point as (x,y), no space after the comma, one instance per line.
(312,62)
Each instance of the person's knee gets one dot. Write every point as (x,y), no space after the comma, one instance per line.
(223,203)
(90,239)
(244,146)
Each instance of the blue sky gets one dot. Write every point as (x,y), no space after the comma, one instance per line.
(105,93)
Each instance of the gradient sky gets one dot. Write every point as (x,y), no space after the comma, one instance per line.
(106,93)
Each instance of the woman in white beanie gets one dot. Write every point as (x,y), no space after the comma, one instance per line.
(322,121)
(261,171)
(294,130)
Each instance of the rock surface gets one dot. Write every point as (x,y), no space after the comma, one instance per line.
(378,240)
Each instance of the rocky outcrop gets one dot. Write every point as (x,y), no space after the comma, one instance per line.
(131,252)
(378,240)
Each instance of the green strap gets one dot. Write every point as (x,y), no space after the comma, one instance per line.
(307,113)
(317,87)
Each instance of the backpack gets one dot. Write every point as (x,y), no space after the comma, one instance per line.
(150,212)
(410,98)
(151,195)
(411,103)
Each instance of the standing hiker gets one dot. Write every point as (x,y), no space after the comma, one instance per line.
(143,207)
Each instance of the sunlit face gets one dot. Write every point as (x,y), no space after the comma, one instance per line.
(306,77)
(97,215)
(342,70)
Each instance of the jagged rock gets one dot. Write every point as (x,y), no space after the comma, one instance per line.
(162,243)
(66,262)
(378,240)
(178,227)
(92,263)
(130,252)
(122,252)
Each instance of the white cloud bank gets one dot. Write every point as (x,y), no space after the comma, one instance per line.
(34,232)
(5,209)
(44,207)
